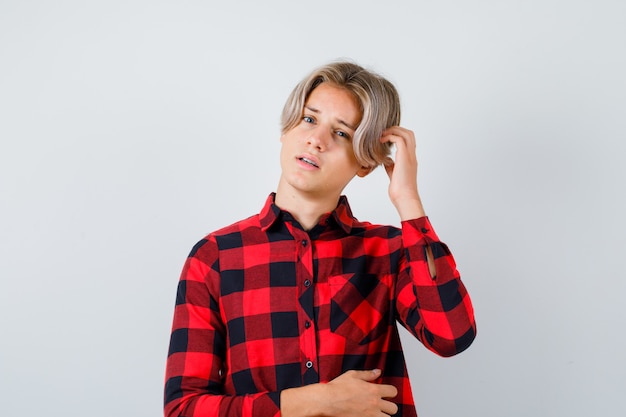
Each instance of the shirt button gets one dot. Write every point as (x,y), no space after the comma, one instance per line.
(304,242)
(307,283)
(307,324)
(308,364)
(424,230)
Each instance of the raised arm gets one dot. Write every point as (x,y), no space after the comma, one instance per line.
(403,178)
(431,300)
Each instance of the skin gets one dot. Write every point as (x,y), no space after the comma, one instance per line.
(323,136)
(317,161)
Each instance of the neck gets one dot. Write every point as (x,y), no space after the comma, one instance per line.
(305,208)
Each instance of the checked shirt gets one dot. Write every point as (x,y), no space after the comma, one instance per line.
(263,305)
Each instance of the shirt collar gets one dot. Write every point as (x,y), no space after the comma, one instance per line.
(342,214)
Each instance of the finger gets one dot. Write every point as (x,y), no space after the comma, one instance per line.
(369,375)
(398,130)
(398,135)
(390,137)
(388,407)
(387,391)
(405,148)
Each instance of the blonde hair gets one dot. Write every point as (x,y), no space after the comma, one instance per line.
(377,97)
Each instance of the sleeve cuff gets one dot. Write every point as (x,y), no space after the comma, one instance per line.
(418,231)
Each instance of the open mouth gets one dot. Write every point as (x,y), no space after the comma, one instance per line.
(308,161)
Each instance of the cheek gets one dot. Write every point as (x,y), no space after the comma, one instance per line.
(350,156)
(350,164)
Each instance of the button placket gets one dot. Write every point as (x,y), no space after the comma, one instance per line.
(305,249)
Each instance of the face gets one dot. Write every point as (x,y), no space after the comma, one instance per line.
(317,158)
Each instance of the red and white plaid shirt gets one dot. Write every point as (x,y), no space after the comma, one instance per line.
(263,305)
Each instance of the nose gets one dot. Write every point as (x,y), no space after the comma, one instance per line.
(319,139)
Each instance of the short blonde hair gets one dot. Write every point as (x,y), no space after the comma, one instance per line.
(378,99)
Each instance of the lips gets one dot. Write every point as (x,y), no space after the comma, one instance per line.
(309,160)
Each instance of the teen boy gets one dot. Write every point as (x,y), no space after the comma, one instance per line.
(293,311)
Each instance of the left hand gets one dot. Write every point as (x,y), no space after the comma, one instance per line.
(403,173)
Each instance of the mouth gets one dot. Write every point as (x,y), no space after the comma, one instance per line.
(308,161)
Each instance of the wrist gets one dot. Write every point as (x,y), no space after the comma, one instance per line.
(409,208)
(306,401)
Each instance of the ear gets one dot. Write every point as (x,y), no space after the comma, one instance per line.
(363,171)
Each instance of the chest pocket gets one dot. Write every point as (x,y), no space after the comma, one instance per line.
(360,306)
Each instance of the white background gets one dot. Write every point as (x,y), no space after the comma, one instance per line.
(129,129)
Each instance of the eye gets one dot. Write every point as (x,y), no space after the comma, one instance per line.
(308,119)
(342,134)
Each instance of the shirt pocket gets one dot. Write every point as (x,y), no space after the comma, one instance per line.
(360,306)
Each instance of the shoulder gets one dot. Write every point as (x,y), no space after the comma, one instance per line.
(227,237)
(246,224)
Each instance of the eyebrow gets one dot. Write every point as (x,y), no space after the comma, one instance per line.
(314,110)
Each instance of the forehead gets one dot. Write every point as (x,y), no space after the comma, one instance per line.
(336,102)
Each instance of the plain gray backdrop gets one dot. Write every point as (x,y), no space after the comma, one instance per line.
(129,129)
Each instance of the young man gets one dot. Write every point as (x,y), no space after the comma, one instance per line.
(293,311)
